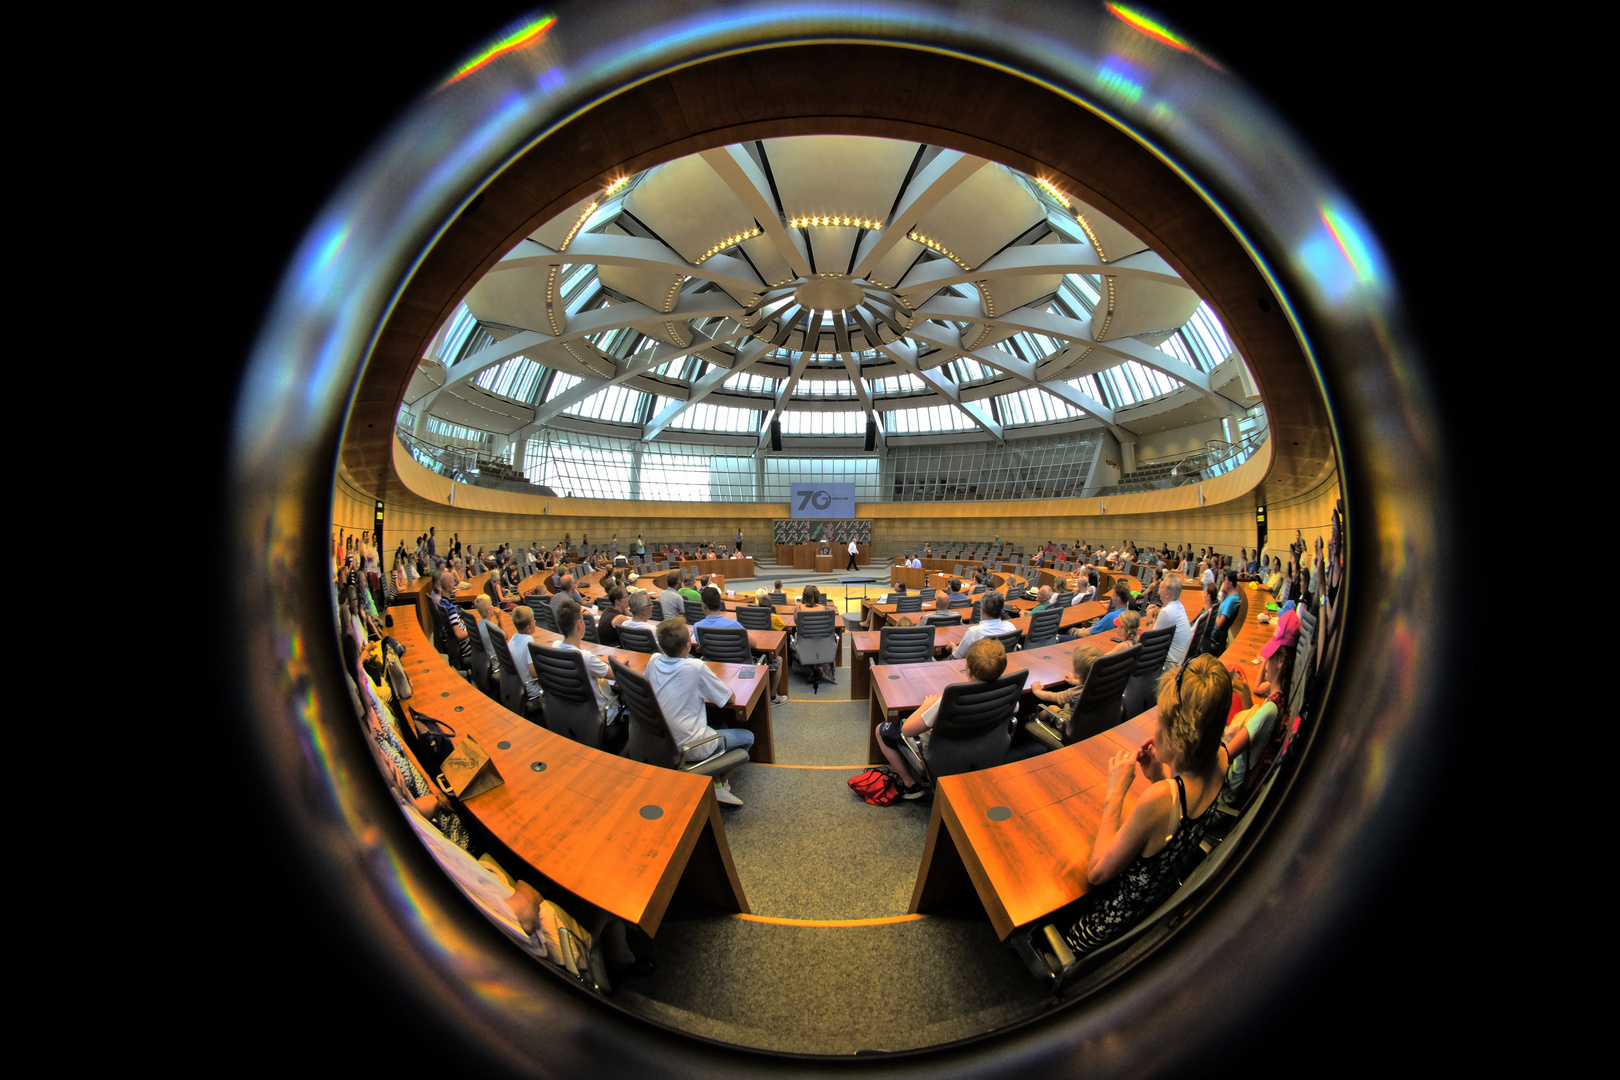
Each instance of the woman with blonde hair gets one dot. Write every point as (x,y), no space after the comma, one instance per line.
(1136,861)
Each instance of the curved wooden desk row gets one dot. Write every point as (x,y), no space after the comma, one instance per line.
(1021,834)
(865,643)
(624,836)
(874,614)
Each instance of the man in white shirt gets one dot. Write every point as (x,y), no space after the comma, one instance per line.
(640,608)
(854,550)
(571,624)
(1085,590)
(522,660)
(682,686)
(1173,614)
(991,623)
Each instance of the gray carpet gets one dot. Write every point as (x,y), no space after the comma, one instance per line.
(833,990)
(806,847)
(820,729)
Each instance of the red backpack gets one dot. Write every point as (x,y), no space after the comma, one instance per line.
(879,786)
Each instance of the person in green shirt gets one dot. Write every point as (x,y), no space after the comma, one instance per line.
(686,590)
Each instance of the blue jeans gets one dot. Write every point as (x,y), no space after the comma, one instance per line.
(736,738)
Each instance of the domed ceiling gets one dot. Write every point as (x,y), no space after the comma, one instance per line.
(826,283)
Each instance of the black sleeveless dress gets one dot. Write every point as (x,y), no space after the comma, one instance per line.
(1118,904)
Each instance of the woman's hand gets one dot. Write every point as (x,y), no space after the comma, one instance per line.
(1122,771)
(1148,758)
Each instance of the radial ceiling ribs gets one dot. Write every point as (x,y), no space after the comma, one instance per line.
(821,257)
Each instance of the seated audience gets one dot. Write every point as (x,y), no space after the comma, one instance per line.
(1248,738)
(990,622)
(986,660)
(1060,697)
(1173,613)
(682,686)
(1138,859)
(1118,603)
(571,624)
(522,660)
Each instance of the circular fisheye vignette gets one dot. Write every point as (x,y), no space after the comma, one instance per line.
(350,269)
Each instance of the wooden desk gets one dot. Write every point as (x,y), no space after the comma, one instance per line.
(864,646)
(898,689)
(1029,859)
(824,564)
(624,836)
(788,614)
(750,705)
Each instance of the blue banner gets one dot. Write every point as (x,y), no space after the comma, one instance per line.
(822,501)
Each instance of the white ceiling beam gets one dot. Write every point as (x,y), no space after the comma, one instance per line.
(906,357)
(746,181)
(786,392)
(958,309)
(942,176)
(711,380)
(1022,370)
(1041,260)
(853,367)
(608,249)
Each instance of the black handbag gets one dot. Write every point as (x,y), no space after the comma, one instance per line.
(432,740)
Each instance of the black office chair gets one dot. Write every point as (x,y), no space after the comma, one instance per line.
(779,598)
(973,729)
(637,639)
(754,617)
(592,634)
(546,617)
(1101,704)
(725,645)
(927,594)
(941,618)
(656,612)
(512,685)
(649,740)
(1043,628)
(974,617)
(1142,689)
(694,612)
(478,670)
(907,604)
(1304,664)
(1009,640)
(570,701)
(905,645)
(445,640)
(814,643)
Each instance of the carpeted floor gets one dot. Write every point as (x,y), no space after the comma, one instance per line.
(833,990)
(806,848)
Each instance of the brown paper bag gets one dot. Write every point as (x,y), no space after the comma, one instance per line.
(468,769)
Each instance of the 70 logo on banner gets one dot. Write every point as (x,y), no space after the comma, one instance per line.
(819,498)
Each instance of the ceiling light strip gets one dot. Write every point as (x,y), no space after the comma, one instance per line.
(1052,190)
(935,245)
(728,242)
(834,221)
